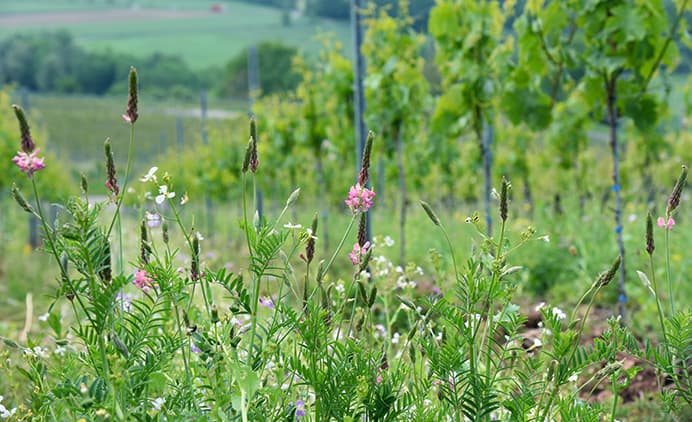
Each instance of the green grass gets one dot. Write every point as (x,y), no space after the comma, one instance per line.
(201,40)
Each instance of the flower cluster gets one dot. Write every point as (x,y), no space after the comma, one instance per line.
(359,198)
(29,163)
(143,281)
(359,252)
(663,223)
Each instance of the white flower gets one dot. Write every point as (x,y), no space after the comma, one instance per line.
(60,351)
(545,238)
(36,352)
(291,226)
(540,306)
(158,403)
(150,176)
(388,241)
(164,194)
(364,274)
(399,269)
(537,342)
(340,288)
(199,235)
(44,317)
(395,338)
(309,232)
(5,413)
(573,378)
(558,313)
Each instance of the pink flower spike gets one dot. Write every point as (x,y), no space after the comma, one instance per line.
(360,199)
(358,252)
(28,163)
(143,281)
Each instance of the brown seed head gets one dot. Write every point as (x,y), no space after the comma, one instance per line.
(609,275)
(503,198)
(650,234)
(674,199)
(131,113)
(364,174)
(111,179)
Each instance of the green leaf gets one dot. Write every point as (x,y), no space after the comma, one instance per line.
(443,21)
(642,111)
(627,23)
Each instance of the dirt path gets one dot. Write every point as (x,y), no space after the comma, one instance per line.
(93,16)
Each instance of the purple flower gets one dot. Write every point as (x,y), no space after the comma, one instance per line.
(29,163)
(153,219)
(266,302)
(194,348)
(300,408)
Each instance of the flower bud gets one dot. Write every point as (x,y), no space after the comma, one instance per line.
(674,199)
(609,275)
(84,183)
(430,212)
(503,198)
(28,145)
(131,113)
(111,179)
(19,198)
(649,234)
(364,174)
(248,155)
(293,197)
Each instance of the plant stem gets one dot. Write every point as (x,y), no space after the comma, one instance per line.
(668,273)
(613,380)
(119,202)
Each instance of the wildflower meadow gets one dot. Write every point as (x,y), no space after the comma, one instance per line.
(511,243)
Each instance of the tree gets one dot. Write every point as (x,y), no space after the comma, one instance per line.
(276,73)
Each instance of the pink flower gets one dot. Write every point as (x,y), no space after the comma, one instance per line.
(29,163)
(378,379)
(358,252)
(143,281)
(359,198)
(662,223)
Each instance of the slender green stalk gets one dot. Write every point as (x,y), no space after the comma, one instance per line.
(668,273)
(119,202)
(613,380)
(340,245)
(658,302)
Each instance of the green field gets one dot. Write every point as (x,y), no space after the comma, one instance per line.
(200,37)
